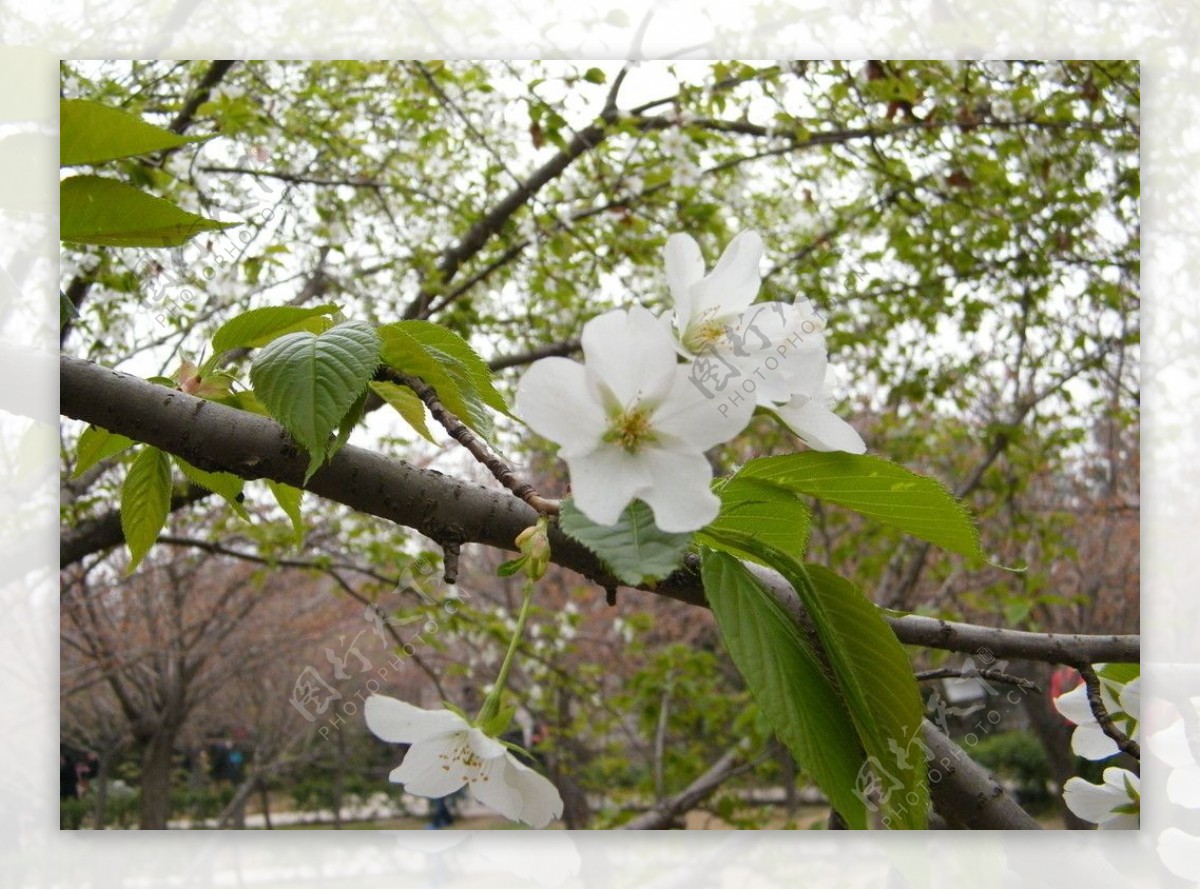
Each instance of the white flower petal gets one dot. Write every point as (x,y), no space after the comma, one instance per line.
(685,266)
(554,399)
(631,354)
(397,721)
(699,417)
(1074,705)
(434,768)
(492,788)
(1121,822)
(733,283)
(1131,698)
(605,481)
(1089,741)
(766,345)
(441,764)
(484,746)
(1096,803)
(541,802)
(820,428)
(803,370)
(681,497)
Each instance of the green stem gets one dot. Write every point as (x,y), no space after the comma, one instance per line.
(491,705)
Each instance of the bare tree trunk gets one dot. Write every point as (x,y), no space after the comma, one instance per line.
(791,800)
(157,766)
(100,783)
(337,780)
(264,799)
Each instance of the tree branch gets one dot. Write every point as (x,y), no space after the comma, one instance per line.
(1096,701)
(215,437)
(462,434)
(665,814)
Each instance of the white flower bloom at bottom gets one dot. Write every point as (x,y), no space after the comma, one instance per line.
(1115,804)
(447,752)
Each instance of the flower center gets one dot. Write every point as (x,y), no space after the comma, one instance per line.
(459,754)
(631,429)
(704,334)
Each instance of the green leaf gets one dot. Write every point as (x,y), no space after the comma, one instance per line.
(634,548)
(758,509)
(95,210)
(289,499)
(877,488)
(258,327)
(96,444)
(442,359)
(352,419)
(511,567)
(787,680)
(876,678)
(227,485)
(498,724)
(1120,673)
(405,401)
(91,133)
(309,382)
(145,502)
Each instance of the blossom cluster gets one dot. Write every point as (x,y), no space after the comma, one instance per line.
(634,419)
(1114,803)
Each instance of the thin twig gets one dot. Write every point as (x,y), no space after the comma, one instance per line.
(462,434)
(986,673)
(1096,700)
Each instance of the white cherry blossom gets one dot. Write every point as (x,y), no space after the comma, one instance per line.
(630,423)
(447,752)
(772,353)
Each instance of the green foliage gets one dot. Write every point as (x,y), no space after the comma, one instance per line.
(258,327)
(96,210)
(633,548)
(145,501)
(759,509)
(227,485)
(289,499)
(309,382)
(96,444)
(101,211)
(788,682)
(92,133)
(444,361)
(71,813)
(407,405)
(876,488)
(872,676)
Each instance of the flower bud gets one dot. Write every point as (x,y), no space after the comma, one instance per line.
(534,543)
